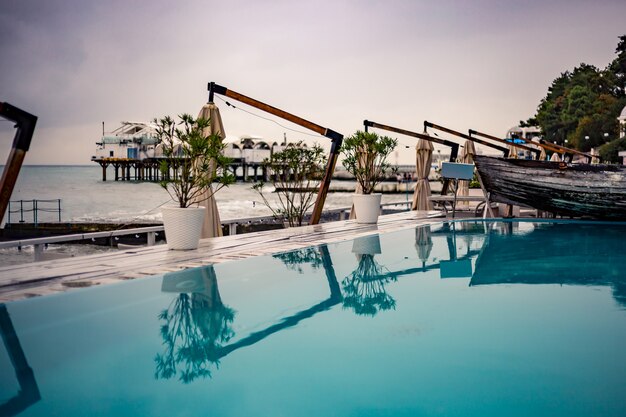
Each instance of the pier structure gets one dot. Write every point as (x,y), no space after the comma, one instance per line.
(149,169)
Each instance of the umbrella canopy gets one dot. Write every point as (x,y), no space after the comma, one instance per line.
(555,157)
(423,161)
(212,225)
(467,157)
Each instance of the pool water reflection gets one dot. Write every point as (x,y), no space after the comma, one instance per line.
(464,318)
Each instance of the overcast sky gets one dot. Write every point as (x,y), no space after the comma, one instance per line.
(463,64)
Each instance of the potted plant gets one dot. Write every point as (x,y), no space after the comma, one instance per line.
(193,161)
(365,157)
(295,173)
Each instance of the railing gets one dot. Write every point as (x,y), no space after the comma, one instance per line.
(151,232)
(34,207)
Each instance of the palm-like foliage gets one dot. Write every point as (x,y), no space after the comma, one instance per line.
(195,157)
(365,157)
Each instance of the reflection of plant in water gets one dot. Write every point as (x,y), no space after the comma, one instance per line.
(364,289)
(294,260)
(195,326)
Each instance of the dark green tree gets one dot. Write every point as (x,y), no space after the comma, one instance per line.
(582,106)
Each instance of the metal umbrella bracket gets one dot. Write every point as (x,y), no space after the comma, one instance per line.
(335,137)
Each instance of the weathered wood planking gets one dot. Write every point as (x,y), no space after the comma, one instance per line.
(597,191)
(27,280)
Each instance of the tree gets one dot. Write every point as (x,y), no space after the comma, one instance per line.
(296,172)
(609,152)
(584,103)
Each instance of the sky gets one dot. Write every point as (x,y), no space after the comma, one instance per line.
(480,64)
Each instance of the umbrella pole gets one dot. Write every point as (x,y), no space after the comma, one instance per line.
(323,191)
(25,123)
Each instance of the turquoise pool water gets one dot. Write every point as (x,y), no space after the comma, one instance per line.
(462,319)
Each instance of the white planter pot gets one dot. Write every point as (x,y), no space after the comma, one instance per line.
(366,245)
(183,226)
(366,207)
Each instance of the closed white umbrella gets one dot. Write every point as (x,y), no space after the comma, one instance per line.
(467,157)
(358,190)
(423,161)
(212,225)
(542,154)
(423,243)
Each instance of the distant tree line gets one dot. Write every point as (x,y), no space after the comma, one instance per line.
(585,103)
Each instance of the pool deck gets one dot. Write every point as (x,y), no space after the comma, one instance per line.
(59,275)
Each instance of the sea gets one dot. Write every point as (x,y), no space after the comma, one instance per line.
(84,197)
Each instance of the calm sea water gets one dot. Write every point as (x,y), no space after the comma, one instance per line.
(86,198)
(466,319)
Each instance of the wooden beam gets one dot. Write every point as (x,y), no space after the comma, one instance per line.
(496,139)
(454,151)
(25,123)
(505,151)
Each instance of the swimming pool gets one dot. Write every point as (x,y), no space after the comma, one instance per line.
(454,319)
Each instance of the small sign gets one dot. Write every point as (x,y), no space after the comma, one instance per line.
(457,170)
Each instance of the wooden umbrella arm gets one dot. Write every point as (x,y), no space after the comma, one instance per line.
(336,138)
(25,123)
(499,140)
(427,124)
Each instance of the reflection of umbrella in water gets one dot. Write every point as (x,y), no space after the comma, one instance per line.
(423,243)
(467,157)
(212,226)
(423,161)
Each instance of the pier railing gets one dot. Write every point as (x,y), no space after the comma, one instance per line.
(33,208)
(151,232)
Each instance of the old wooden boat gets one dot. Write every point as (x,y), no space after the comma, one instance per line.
(596,191)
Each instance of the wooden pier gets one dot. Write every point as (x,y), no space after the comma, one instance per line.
(149,169)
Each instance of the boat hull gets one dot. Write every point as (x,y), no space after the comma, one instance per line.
(580,190)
